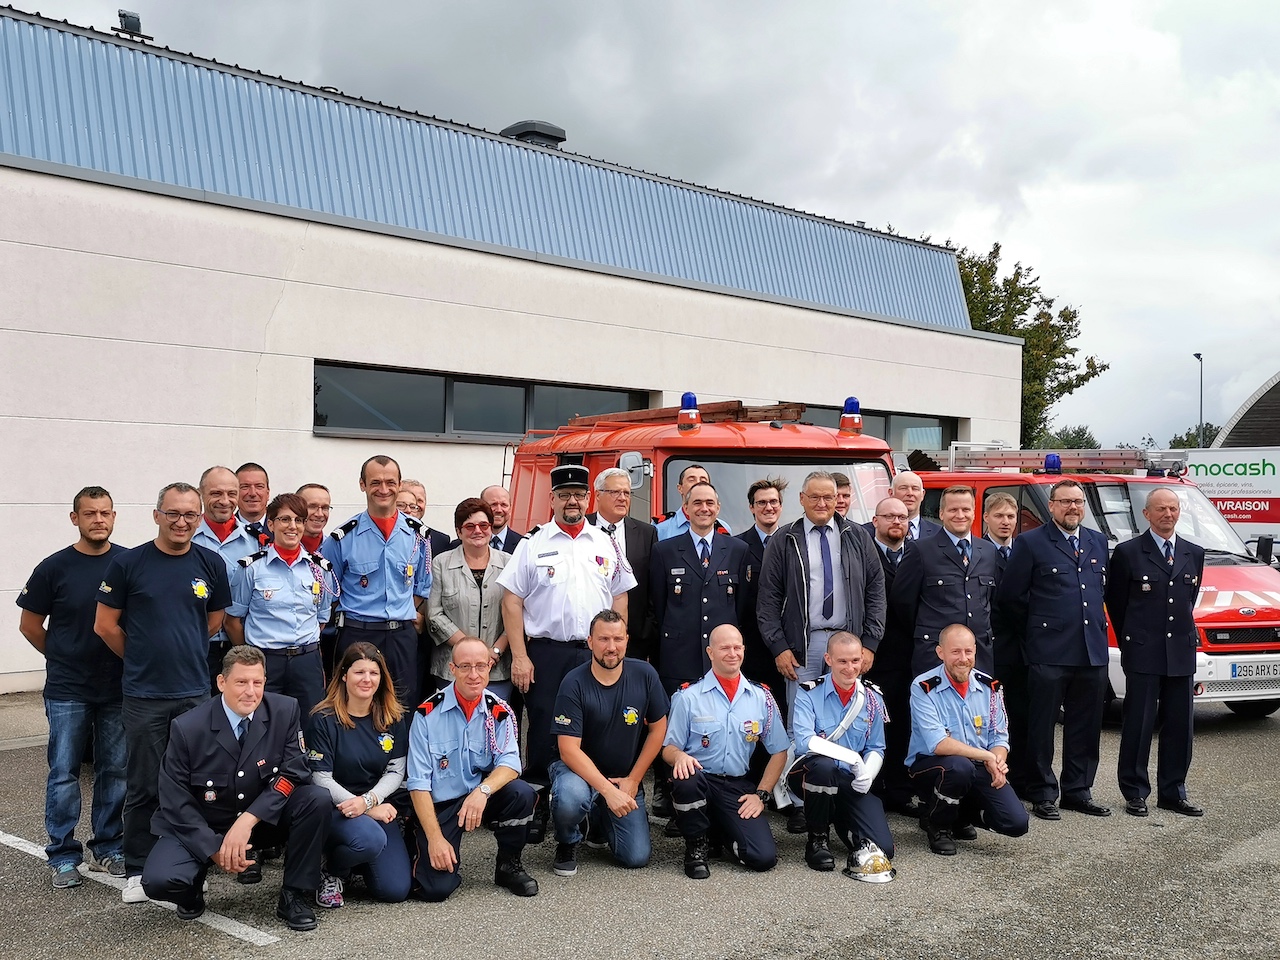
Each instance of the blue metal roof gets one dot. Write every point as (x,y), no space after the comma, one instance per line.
(71,96)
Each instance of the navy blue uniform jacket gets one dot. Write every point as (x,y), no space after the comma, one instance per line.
(1150,604)
(689,599)
(208,778)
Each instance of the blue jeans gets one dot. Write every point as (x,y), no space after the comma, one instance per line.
(71,724)
(573,800)
(375,849)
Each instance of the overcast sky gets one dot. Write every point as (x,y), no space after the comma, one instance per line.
(1127,151)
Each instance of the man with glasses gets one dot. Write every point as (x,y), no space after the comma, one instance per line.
(158,605)
(635,542)
(1050,601)
(280,598)
(764,498)
(562,575)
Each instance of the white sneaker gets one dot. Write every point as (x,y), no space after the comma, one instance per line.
(133,892)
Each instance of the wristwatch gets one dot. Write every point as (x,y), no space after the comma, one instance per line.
(764,796)
(486,789)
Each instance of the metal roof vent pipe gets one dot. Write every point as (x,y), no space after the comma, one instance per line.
(536,131)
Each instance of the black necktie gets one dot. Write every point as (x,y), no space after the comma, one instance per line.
(704,551)
(895,556)
(1004,552)
(767,537)
(1168,553)
(1075,545)
(241,727)
(828,573)
(496,542)
(963,547)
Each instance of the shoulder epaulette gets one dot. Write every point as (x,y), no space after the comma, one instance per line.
(721,528)
(245,561)
(496,706)
(929,684)
(319,561)
(812,684)
(534,530)
(687,684)
(666,516)
(871,686)
(416,525)
(985,680)
(346,528)
(431,703)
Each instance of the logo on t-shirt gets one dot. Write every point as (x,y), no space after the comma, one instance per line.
(103,587)
(563,720)
(386,742)
(631,716)
(314,755)
(200,588)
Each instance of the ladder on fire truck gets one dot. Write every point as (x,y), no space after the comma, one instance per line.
(972,456)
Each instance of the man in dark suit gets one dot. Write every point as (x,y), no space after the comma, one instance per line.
(891,671)
(908,488)
(1151,597)
(950,578)
(499,501)
(697,581)
(234,778)
(635,541)
(1000,523)
(1051,601)
(764,498)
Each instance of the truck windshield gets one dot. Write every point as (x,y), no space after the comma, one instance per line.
(732,479)
(1121,515)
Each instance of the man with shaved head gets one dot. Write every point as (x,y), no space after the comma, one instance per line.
(908,488)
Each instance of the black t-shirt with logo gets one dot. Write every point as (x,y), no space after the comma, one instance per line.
(358,757)
(610,720)
(166,601)
(79,667)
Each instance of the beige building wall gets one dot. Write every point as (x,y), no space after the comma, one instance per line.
(146,337)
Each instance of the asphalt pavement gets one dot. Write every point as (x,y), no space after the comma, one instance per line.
(1164,886)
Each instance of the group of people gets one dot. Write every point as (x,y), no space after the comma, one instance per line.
(368,685)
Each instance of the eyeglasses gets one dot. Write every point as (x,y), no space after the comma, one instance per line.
(768,503)
(472,667)
(893,517)
(1067,503)
(482,527)
(173,516)
(289,521)
(565,496)
(616,493)
(819,498)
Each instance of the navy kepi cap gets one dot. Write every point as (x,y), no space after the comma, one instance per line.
(570,475)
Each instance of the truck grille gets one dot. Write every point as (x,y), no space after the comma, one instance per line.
(1244,635)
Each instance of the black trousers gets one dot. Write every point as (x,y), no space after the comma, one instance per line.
(146,735)
(217,650)
(399,647)
(551,661)
(508,812)
(1080,692)
(707,798)
(892,785)
(829,798)
(175,874)
(1012,673)
(957,788)
(300,676)
(1171,701)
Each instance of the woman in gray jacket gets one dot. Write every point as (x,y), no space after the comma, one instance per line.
(466,600)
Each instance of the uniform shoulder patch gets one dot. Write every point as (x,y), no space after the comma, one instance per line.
(533,531)
(987,681)
(666,516)
(721,528)
(416,525)
(812,684)
(496,706)
(872,686)
(431,703)
(687,684)
(245,561)
(346,528)
(929,684)
(320,561)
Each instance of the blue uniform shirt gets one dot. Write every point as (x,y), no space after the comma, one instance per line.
(282,605)
(449,755)
(818,712)
(721,735)
(241,543)
(938,711)
(378,578)
(678,523)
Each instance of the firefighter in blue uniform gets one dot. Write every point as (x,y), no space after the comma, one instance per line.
(840,708)
(959,749)
(382,562)
(464,769)
(712,731)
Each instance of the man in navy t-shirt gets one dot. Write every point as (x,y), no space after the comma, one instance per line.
(158,605)
(81,691)
(609,720)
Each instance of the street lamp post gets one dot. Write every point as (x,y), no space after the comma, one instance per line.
(1200,425)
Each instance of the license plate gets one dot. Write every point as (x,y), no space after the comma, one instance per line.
(1255,671)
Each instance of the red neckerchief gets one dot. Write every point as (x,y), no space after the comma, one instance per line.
(845,695)
(729,686)
(312,544)
(574,530)
(222,530)
(962,689)
(385,524)
(288,556)
(468,706)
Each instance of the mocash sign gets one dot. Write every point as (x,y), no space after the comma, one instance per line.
(1243,483)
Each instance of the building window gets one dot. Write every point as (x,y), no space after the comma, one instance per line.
(902,431)
(372,401)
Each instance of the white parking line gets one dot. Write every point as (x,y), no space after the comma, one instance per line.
(232,928)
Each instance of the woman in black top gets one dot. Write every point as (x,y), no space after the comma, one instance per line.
(357,744)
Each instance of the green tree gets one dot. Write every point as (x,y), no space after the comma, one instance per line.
(1189,438)
(1078,437)
(1016,306)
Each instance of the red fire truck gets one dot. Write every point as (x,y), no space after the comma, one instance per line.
(1238,611)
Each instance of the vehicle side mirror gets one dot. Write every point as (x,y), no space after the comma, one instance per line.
(637,469)
(1265,548)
